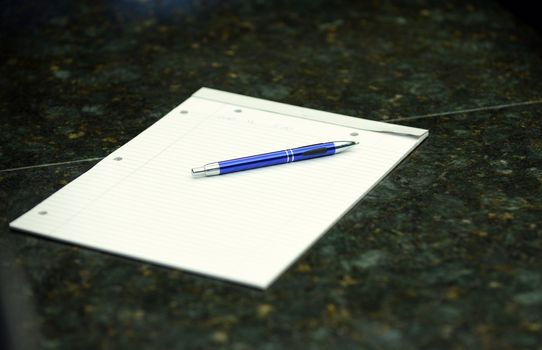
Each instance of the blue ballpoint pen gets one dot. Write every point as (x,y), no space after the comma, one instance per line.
(273,158)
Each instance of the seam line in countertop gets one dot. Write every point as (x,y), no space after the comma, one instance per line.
(469,110)
(461,111)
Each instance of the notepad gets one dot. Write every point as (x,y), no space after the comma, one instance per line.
(246,227)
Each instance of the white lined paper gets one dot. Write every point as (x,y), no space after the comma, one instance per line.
(245,227)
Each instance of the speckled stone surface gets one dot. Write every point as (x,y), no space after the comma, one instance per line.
(445,253)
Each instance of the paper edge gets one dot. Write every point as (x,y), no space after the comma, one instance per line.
(306,113)
(280,273)
(260,285)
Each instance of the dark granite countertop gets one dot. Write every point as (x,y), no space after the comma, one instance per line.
(445,253)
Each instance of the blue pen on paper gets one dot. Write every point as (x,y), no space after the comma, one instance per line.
(273,158)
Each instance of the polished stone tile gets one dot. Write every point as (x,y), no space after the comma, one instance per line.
(80,79)
(445,251)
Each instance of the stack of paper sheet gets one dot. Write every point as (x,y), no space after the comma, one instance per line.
(141,201)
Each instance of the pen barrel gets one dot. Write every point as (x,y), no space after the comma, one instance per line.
(312,151)
(278,157)
(252,162)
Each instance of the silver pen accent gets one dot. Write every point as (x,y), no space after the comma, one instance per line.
(206,170)
(341,146)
